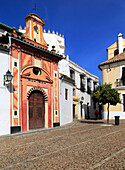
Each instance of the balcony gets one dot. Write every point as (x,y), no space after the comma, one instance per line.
(120,82)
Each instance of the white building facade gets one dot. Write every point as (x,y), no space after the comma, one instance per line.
(80,84)
(4,93)
(113,72)
(85,83)
(81,106)
(66,92)
(66,83)
(56,40)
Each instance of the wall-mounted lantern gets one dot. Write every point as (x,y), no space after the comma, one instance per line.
(7,77)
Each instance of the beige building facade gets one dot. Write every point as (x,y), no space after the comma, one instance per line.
(113,72)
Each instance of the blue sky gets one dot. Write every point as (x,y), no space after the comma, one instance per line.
(89,26)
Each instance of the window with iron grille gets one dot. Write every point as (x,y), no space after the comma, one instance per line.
(123,102)
(123,76)
(72,74)
(66,94)
(82,83)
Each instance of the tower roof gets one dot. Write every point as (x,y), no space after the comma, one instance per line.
(35,17)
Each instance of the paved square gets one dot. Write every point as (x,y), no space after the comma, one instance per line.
(77,146)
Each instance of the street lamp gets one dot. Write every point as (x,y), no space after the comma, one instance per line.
(7,77)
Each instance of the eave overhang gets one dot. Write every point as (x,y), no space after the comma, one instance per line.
(9,29)
(38,48)
(4,48)
(66,78)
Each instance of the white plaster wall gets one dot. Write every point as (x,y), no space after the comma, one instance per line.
(87,97)
(23,30)
(66,106)
(55,40)
(4,96)
(112,114)
(64,67)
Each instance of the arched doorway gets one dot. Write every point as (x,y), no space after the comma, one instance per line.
(36,110)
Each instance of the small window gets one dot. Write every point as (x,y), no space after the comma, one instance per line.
(15,113)
(66,94)
(56,112)
(116,52)
(72,74)
(35,32)
(123,76)
(15,64)
(55,75)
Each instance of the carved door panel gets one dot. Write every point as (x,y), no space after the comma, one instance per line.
(36,110)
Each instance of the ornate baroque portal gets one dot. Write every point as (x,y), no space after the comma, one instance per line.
(37,100)
(36,110)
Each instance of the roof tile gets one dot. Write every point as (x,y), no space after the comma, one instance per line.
(116,58)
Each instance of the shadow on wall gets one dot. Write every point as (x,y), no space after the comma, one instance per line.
(90,112)
(9,87)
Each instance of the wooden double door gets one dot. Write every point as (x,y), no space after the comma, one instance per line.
(36,110)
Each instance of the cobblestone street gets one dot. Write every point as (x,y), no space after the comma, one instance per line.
(77,146)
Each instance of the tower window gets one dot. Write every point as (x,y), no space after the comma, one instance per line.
(15,64)
(55,75)
(35,32)
(116,52)
(56,112)
(15,113)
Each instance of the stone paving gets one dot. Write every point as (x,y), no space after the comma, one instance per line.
(79,146)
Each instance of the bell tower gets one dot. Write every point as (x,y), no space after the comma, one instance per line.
(34,28)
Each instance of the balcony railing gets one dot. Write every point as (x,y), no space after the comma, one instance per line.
(120,82)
